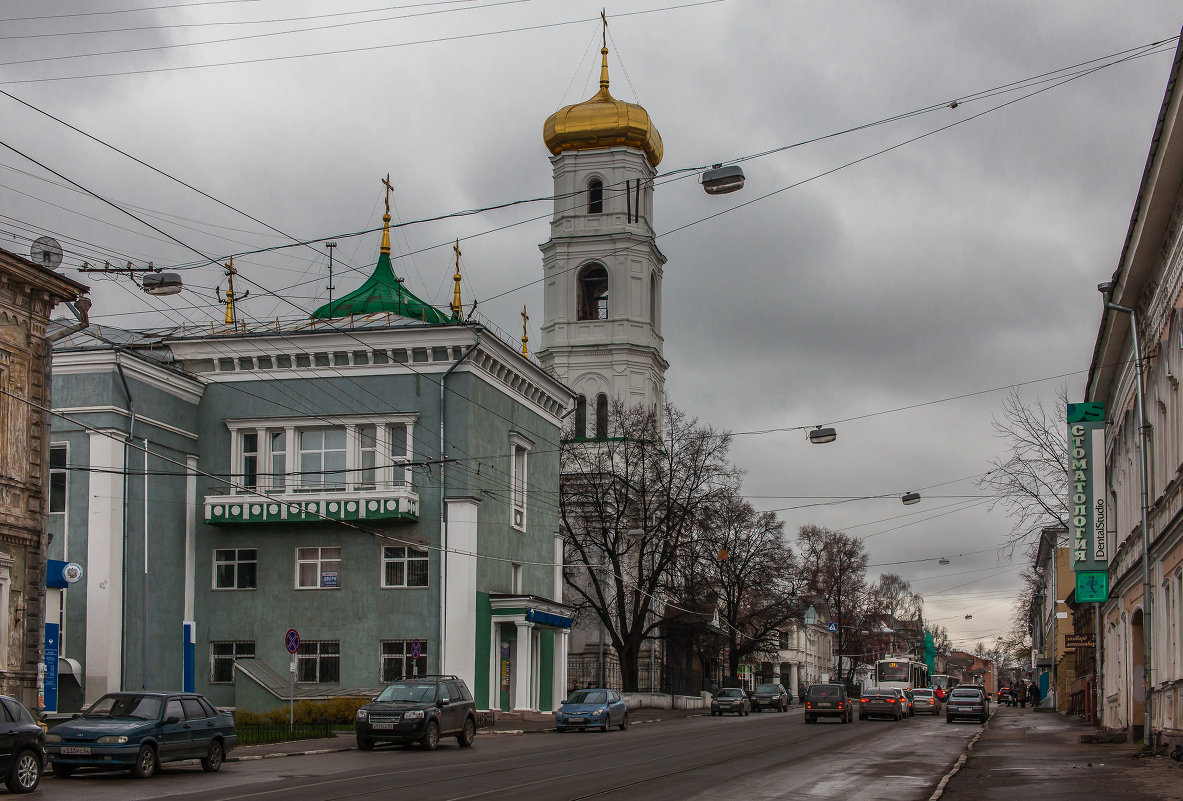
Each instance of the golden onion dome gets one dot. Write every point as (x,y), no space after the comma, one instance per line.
(603,121)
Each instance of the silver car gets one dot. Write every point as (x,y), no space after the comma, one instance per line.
(926,701)
(731,699)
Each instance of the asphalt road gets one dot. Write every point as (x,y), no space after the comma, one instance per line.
(764,756)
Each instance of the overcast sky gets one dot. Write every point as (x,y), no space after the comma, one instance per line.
(961,262)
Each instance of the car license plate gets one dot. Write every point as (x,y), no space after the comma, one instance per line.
(75,749)
(825,704)
(577,720)
(381,725)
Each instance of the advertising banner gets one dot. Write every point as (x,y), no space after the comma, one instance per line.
(1087,521)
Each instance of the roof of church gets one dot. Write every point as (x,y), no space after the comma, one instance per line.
(382,292)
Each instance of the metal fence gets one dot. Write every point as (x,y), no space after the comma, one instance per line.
(263,733)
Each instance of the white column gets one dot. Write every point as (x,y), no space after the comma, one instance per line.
(794,679)
(559,693)
(557,593)
(104,566)
(522,660)
(460,625)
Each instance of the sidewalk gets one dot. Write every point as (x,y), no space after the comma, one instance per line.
(1022,752)
(345,741)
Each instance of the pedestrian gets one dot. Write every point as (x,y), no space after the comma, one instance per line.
(1013,700)
(1033,694)
(1023,695)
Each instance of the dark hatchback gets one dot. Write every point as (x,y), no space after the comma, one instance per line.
(967,702)
(418,711)
(138,731)
(828,700)
(22,747)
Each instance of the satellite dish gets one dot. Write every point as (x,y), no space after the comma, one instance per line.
(46,252)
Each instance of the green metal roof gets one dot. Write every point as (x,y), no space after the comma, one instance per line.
(382,292)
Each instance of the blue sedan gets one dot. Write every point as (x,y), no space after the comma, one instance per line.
(138,731)
(592,709)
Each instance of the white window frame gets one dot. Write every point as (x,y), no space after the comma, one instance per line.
(519,480)
(237,561)
(234,656)
(319,658)
(405,657)
(320,561)
(65,472)
(406,559)
(392,469)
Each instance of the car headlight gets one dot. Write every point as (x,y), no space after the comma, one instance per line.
(414,714)
(53,738)
(113,739)
(362,714)
(600,711)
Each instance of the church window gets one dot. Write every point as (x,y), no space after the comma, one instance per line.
(581,416)
(602,416)
(595,196)
(518,480)
(593,293)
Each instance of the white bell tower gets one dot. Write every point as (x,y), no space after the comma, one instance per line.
(601,328)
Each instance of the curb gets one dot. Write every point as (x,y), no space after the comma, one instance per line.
(254,757)
(961,760)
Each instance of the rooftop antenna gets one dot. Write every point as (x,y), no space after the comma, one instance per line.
(330,246)
(230,296)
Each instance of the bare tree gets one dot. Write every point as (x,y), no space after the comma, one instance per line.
(630,504)
(744,558)
(940,638)
(833,566)
(1031,480)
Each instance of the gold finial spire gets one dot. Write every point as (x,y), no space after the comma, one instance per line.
(230,296)
(604,54)
(385,248)
(457,307)
(525,339)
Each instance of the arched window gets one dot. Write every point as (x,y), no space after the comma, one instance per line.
(592,297)
(602,416)
(595,196)
(581,416)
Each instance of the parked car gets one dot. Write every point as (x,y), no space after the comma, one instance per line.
(925,700)
(1003,693)
(910,701)
(967,702)
(22,747)
(880,702)
(141,730)
(592,709)
(731,699)
(420,710)
(828,700)
(770,696)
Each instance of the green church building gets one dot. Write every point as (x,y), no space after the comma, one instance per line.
(380,477)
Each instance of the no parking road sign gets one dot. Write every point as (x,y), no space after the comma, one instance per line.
(416,649)
(292,641)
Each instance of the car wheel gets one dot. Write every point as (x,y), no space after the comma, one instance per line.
(624,722)
(62,771)
(809,719)
(467,734)
(145,765)
(948,719)
(365,743)
(212,761)
(431,737)
(561,729)
(26,772)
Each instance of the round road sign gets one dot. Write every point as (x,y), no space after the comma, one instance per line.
(416,649)
(292,640)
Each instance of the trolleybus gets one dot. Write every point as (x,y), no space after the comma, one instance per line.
(902,672)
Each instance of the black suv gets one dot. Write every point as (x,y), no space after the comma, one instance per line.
(419,710)
(823,700)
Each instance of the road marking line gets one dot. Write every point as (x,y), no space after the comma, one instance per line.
(961,760)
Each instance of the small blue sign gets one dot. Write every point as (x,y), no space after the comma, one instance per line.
(292,641)
(548,619)
(832,628)
(416,649)
(51,667)
(188,656)
(328,579)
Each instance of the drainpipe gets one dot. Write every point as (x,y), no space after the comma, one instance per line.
(131,428)
(443,521)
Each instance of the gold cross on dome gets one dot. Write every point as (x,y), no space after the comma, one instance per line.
(604,17)
(456,248)
(389,189)
(525,337)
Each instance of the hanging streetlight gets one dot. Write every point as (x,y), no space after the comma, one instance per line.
(820,436)
(720,180)
(910,498)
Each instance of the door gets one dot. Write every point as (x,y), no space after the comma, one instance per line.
(173,741)
(450,709)
(201,726)
(8,738)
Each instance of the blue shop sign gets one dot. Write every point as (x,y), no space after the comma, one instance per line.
(548,619)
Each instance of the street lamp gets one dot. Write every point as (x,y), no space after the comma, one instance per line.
(820,436)
(1106,290)
(720,180)
(910,498)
